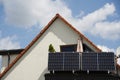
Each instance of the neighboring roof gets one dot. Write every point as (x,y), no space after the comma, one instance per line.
(12,51)
(39,35)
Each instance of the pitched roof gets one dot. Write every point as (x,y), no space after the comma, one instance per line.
(12,51)
(39,35)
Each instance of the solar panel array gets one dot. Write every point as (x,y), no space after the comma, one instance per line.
(89,61)
(81,61)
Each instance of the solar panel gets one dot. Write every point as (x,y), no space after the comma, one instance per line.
(106,61)
(55,61)
(89,61)
(71,61)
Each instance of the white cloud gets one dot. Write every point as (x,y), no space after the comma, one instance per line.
(105,48)
(117,51)
(80,15)
(19,12)
(9,43)
(29,12)
(88,21)
(26,13)
(96,23)
(118,61)
(107,30)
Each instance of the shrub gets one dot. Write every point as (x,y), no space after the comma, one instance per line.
(51,48)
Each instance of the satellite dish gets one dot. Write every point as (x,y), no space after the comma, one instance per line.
(118,51)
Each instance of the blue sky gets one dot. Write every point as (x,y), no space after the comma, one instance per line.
(22,20)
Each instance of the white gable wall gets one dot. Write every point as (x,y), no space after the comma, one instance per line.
(33,65)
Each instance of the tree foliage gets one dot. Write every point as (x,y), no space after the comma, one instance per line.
(51,48)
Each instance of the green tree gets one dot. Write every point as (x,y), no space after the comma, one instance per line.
(51,48)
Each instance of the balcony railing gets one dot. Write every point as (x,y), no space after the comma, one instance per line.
(74,61)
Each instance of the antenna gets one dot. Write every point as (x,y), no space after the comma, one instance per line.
(118,52)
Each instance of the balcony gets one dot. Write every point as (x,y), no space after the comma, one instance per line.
(86,61)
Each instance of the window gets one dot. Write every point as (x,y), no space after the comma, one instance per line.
(73,48)
(68,48)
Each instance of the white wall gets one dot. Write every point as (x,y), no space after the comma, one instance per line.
(33,65)
(4,61)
